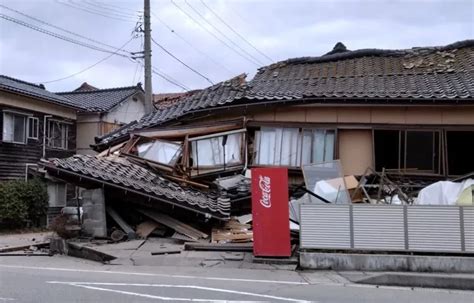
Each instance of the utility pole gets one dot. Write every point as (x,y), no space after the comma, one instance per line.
(147,54)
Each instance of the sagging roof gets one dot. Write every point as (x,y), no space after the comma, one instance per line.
(217,95)
(24,88)
(161,101)
(100,100)
(126,175)
(418,73)
(424,74)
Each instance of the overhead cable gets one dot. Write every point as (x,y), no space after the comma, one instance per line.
(235,32)
(94,12)
(166,78)
(58,36)
(212,34)
(180,61)
(223,34)
(59,28)
(190,44)
(89,67)
(106,9)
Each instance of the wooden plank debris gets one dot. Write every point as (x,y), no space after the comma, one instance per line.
(166,252)
(232,232)
(23,247)
(174,224)
(218,246)
(121,222)
(144,229)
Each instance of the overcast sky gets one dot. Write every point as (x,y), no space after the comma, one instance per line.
(278,29)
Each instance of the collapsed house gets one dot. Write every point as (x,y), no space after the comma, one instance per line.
(407,115)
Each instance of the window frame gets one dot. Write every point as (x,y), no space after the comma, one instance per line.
(65,125)
(196,167)
(437,170)
(25,116)
(28,134)
(300,142)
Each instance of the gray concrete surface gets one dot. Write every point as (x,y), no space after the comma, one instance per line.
(66,279)
(389,262)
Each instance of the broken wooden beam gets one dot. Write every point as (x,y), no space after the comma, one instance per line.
(23,247)
(172,223)
(144,229)
(121,222)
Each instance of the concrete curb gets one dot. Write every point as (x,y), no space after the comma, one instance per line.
(379,262)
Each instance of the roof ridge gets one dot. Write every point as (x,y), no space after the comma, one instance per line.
(25,82)
(100,90)
(369,52)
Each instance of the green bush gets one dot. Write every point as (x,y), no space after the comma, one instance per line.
(21,201)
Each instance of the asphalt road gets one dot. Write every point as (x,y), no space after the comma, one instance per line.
(64,279)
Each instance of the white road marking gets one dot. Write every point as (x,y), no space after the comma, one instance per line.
(6,299)
(87,285)
(156,275)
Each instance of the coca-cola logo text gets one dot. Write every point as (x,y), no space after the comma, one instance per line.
(265,187)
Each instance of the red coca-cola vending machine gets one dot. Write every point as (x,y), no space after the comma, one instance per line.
(270,214)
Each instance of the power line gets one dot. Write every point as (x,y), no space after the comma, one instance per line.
(91,66)
(59,28)
(165,77)
(102,7)
(58,36)
(116,7)
(190,44)
(222,34)
(84,5)
(180,61)
(93,12)
(212,34)
(235,32)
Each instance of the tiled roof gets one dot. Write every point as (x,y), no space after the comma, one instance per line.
(100,100)
(216,95)
(165,100)
(418,73)
(122,173)
(85,87)
(367,75)
(32,90)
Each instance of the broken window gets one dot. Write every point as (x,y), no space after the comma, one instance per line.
(160,151)
(217,151)
(292,146)
(407,150)
(460,145)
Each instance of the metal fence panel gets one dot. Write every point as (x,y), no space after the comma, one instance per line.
(468,213)
(434,228)
(324,226)
(379,227)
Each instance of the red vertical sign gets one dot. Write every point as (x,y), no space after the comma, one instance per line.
(270,214)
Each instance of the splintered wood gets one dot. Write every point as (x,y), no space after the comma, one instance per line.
(232,232)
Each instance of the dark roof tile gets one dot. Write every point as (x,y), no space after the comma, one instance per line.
(125,174)
(33,90)
(100,100)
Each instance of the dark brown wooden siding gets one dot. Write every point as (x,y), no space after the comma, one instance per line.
(14,157)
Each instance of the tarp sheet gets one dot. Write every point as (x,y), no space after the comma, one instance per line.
(444,193)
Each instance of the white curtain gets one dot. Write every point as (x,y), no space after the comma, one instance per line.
(210,152)
(7,127)
(160,151)
(290,147)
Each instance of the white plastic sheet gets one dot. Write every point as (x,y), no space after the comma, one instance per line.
(443,192)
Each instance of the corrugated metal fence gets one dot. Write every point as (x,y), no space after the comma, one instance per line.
(387,227)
